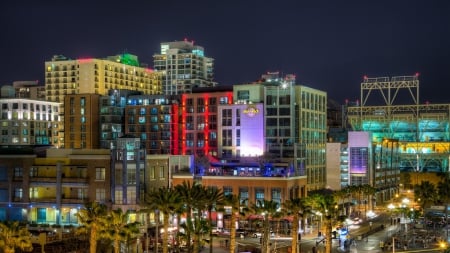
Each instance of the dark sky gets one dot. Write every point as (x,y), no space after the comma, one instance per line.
(329,45)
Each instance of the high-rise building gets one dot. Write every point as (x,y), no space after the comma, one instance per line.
(112,120)
(81,122)
(185,67)
(97,76)
(29,122)
(199,120)
(294,122)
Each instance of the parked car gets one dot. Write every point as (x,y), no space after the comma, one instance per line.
(257,234)
(216,231)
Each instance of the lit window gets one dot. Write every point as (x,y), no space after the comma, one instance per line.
(100,174)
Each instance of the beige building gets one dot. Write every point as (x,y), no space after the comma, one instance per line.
(97,76)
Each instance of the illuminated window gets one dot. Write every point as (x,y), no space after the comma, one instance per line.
(18,194)
(100,174)
(161,172)
(131,176)
(100,195)
(118,196)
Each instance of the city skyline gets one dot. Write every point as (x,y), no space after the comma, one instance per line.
(328,45)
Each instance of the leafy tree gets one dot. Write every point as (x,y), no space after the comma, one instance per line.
(426,192)
(13,236)
(118,229)
(443,190)
(92,219)
(270,210)
(167,201)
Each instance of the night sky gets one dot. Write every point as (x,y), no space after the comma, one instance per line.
(328,45)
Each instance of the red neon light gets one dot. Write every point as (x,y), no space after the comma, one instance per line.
(417,74)
(84,60)
(206,129)
(175,130)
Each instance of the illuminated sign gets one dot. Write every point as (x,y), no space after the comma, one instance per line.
(251,111)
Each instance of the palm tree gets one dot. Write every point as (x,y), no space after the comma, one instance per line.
(269,209)
(92,219)
(368,192)
(298,208)
(118,228)
(213,199)
(238,208)
(13,236)
(191,197)
(166,201)
(326,205)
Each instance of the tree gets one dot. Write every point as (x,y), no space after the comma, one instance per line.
(92,219)
(270,210)
(213,199)
(118,229)
(166,201)
(298,208)
(426,193)
(191,197)
(324,203)
(13,236)
(237,208)
(443,189)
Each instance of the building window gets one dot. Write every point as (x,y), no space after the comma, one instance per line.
(238,117)
(227,191)
(131,195)
(226,117)
(18,172)
(276,196)
(100,174)
(152,172)
(259,195)
(100,195)
(243,95)
(227,138)
(161,172)
(131,176)
(33,172)
(238,137)
(18,194)
(118,196)
(243,193)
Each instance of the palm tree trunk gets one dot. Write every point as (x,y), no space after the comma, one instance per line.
(210,232)
(294,234)
(93,240)
(233,233)
(166,233)
(328,230)
(266,235)
(116,246)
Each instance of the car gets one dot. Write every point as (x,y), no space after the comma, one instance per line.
(257,234)
(241,231)
(216,231)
